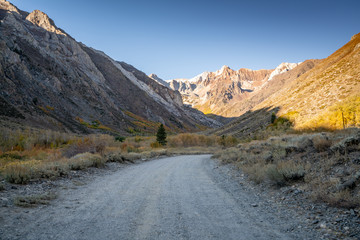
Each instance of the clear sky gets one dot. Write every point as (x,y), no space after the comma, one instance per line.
(182,38)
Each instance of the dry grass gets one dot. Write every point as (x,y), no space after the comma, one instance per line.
(341,115)
(326,164)
(85,160)
(342,199)
(192,150)
(34,200)
(28,139)
(17,173)
(321,142)
(31,156)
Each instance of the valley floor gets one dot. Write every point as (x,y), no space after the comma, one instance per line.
(182,197)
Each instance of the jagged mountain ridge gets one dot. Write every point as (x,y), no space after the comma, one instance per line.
(49,80)
(216,92)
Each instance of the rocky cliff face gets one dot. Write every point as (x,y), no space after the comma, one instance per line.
(49,80)
(216,92)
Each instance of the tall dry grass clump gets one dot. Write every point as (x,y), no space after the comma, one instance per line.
(321,142)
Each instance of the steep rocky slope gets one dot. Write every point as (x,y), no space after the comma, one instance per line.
(49,80)
(325,94)
(217,92)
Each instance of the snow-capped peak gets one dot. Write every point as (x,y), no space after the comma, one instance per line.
(199,77)
(283,67)
(223,68)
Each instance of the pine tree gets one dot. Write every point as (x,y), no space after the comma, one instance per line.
(273,117)
(161,135)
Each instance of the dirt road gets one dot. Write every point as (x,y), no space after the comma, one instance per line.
(182,197)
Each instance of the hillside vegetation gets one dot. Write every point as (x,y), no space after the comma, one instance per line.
(31,154)
(322,96)
(323,166)
(334,80)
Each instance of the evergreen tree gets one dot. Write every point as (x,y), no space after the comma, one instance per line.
(161,135)
(273,117)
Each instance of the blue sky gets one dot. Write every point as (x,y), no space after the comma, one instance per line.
(180,39)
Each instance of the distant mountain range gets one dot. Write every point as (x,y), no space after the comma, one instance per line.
(49,80)
(217,92)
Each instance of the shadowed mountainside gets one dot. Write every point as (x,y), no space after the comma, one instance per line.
(48,80)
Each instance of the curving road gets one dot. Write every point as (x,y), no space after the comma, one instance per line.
(170,198)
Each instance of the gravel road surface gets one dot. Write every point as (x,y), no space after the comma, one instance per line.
(182,197)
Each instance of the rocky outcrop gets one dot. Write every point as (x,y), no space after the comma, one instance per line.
(42,20)
(54,82)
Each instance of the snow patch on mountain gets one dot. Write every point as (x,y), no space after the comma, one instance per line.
(283,67)
(200,77)
(219,72)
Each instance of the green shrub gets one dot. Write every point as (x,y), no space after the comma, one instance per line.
(273,117)
(119,138)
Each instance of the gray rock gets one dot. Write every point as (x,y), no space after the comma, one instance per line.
(315,221)
(352,212)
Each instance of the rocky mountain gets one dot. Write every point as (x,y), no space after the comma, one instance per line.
(217,92)
(49,80)
(317,94)
(159,80)
(270,86)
